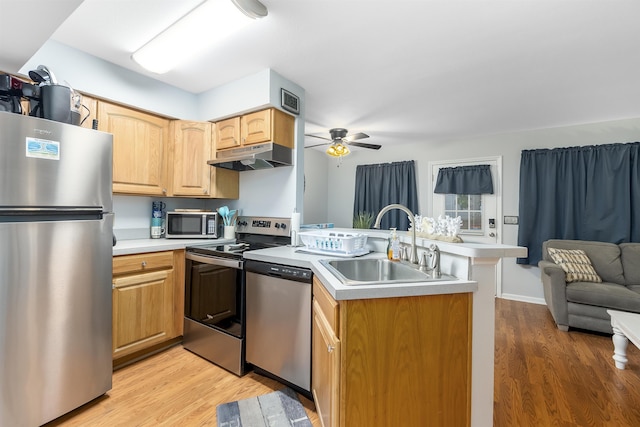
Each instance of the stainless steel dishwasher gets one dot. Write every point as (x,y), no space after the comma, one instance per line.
(278,308)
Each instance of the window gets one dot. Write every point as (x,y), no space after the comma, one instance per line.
(469,208)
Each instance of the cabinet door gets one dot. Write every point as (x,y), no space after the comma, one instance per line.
(192,148)
(139,149)
(142,311)
(325,381)
(228,133)
(256,127)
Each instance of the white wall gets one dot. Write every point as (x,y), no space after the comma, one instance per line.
(316,194)
(519,282)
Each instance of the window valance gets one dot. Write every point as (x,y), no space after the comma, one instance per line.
(475,179)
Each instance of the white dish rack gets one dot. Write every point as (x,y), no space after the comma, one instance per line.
(334,242)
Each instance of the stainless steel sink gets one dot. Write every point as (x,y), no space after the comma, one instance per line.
(378,271)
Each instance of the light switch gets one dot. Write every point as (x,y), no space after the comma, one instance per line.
(511,220)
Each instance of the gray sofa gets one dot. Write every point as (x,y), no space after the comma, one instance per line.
(584,304)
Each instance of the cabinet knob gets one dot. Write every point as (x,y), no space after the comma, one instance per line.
(164,191)
(205,191)
(144,264)
(330,348)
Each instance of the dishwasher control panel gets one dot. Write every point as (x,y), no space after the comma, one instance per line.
(281,271)
(285,272)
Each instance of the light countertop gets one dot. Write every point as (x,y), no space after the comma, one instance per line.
(138,246)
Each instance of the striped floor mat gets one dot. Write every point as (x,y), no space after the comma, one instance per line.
(278,409)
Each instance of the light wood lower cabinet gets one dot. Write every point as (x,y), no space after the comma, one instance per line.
(326,368)
(147,290)
(392,361)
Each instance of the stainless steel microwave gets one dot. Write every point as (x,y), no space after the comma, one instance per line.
(191,225)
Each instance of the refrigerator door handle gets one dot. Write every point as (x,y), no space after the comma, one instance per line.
(19,210)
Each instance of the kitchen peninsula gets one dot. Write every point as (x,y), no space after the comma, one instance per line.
(420,351)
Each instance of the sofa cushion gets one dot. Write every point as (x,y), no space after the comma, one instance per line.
(630,256)
(575,264)
(605,257)
(634,288)
(609,295)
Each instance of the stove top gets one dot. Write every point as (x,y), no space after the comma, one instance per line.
(252,233)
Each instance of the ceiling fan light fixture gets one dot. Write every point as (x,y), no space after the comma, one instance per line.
(207,24)
(338,150)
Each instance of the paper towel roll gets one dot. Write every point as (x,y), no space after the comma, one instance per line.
(295,228)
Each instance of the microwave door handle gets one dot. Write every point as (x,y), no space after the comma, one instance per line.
(215,261)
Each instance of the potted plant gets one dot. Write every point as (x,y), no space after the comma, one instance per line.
(362,220)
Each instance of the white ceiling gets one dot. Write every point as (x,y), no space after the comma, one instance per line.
(400,70)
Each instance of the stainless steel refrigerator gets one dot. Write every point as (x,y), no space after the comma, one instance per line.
(56,228)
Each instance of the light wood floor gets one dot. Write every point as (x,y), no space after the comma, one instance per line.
(543,377)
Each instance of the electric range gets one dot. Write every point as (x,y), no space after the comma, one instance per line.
(251,233)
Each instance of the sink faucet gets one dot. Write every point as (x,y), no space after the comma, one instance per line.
(414,253)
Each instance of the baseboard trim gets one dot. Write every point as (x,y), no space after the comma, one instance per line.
(521,298)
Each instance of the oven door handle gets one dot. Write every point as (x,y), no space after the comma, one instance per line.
(231,263)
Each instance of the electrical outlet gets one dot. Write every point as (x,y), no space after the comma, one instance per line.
(511,220)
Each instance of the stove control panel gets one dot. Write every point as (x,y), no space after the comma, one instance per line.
(263,225)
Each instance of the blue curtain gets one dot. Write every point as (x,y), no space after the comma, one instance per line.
(383,184)
(583,193)
(474,179)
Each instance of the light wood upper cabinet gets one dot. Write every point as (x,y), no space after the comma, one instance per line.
(140,149)
(392,361)
(256,127)
(193,144)
(270,125)
(228,133)
(192,148)
(267,125)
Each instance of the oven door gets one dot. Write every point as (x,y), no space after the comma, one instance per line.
(214,293)
(214,315)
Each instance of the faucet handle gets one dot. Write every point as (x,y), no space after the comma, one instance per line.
(404,256)
(423,261)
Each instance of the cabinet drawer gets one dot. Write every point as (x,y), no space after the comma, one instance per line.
(142,262)
(327,304)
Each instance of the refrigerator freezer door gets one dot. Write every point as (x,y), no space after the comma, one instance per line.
(55,317)
(46,163)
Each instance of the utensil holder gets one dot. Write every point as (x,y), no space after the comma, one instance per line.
(229,231)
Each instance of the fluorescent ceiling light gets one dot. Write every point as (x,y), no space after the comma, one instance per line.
(207,24)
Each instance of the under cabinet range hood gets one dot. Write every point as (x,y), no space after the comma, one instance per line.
(252,157)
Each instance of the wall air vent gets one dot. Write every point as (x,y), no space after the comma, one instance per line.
(290,102)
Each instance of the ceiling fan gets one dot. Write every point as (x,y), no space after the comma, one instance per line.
(339,141)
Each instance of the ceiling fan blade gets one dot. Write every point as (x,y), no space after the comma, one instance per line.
(318,145)
(365,145)
(355,136)
(318,136)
